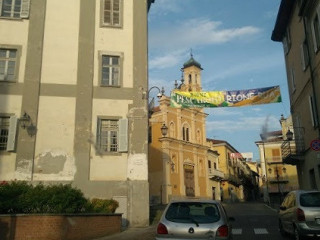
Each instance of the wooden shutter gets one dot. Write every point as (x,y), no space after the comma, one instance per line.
(25,6)
(11,143)
(123,135)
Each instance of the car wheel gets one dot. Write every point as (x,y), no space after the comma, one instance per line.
(297,235)
(282,232)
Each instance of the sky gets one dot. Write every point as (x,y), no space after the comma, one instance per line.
(231,39)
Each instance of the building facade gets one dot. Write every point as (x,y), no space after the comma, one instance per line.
(215,174)
(238,179)
(72,79)
(297,27)
(178,166)
(278,178)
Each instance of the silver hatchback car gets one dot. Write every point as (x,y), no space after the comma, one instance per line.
(299,214)
(194,219)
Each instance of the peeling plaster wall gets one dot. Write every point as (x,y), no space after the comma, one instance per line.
(54,165)
(54,158)
(137,167)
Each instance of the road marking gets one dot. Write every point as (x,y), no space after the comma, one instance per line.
(236,231)
(260,231)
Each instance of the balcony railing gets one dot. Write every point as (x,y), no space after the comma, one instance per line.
(280,179)
(274,159)
(215,174)
(292,151)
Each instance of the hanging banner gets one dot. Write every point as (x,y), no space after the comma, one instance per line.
(235,98)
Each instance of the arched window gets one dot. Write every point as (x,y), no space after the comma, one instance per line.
(185,133)
(172,130)
(190,79)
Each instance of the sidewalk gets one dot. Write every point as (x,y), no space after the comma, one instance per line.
(145,233)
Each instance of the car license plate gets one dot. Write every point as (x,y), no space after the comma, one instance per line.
(318,221)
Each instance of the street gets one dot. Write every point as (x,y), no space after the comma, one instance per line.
(253,220)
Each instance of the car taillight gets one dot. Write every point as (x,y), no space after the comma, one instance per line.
(162,229)
(300,215)
(223,231)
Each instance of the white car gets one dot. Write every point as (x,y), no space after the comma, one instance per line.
(194,219)
(299,214)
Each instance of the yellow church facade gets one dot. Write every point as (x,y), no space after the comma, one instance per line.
(178,163)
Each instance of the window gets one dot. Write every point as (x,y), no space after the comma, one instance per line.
(287,41)
(315,28)
(8,126)
(304,55)
(209,164)
(313,112)
(110,71)
(14,8)
(185,133)
(112,135)
(8,62)
(4,132)
(111,13)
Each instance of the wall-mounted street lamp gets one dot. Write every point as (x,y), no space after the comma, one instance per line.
(151,102)
(289,135)
(26,123)
(164,130)
(160,93)
(25,120)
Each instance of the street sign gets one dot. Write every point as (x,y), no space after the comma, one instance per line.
(315,145)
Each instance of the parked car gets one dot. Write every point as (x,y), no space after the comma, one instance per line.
(299,214)
(194,219)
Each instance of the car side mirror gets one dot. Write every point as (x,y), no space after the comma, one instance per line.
(283,208)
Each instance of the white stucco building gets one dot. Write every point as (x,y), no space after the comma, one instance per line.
(73,81)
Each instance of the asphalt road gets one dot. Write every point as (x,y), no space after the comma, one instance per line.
(253,221)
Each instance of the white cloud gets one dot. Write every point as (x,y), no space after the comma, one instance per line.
(262,63)
(196,32)
(243,124)
(168,60)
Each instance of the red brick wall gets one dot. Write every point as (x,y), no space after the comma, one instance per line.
(58,227)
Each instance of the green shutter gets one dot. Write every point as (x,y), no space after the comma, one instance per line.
(123,135)
(25,6)
(11,143)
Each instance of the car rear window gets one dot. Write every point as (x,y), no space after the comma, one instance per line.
(310,199)
(193,212)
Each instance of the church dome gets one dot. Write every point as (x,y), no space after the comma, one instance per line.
(192,62)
